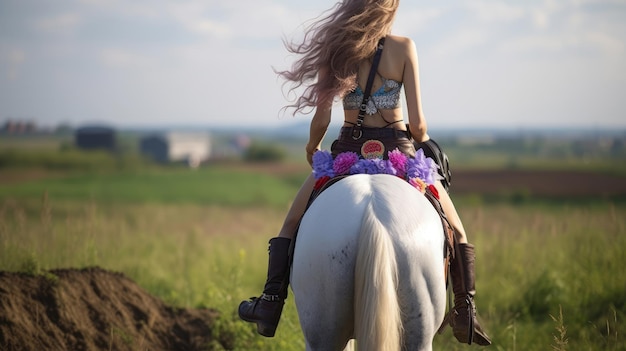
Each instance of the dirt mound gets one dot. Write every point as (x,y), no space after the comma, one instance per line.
(93,309)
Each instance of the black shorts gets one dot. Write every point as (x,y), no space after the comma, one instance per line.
(374,142)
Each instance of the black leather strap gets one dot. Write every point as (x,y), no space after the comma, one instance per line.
(356,130)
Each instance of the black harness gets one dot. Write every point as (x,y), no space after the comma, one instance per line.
(357,133)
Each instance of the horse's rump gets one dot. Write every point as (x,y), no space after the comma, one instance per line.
(326,251)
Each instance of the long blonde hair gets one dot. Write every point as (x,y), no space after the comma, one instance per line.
(335,45)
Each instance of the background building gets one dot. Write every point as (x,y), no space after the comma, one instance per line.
(191,148)
(95,138)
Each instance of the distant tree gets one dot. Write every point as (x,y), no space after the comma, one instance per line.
(618,148)
(64,129)
(263,152)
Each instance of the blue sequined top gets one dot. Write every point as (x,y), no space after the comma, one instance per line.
(386,98)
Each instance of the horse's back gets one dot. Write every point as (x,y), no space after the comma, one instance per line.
(326,249)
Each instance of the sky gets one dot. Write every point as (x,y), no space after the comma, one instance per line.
(151,63)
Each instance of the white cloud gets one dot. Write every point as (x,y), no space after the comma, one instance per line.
(14,59)
(209,28)
(414,21)
(546,13)
(461,41)
(136,9)
(569,30)
(536,43)
(605,43)
(120,58)
(16,56)
(261,19)
(59,23)
(490,11)
(190,61)
(196,17)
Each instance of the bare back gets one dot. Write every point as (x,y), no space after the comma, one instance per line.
(391,66)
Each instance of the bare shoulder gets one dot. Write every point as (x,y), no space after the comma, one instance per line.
(399,52)
(400,44)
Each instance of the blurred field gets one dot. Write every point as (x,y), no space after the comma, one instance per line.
(550,269)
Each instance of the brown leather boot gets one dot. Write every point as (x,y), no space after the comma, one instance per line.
(462,317)
(265,310)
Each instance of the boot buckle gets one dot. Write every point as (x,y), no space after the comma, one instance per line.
(270,298)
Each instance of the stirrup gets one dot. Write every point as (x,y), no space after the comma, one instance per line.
(471,315)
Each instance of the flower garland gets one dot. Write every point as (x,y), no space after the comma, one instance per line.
(420,171)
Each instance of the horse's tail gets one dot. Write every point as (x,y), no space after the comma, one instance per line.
(377,311)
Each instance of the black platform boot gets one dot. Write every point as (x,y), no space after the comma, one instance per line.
(265,310)
(462,317)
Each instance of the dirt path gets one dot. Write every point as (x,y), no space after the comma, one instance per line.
(540,183)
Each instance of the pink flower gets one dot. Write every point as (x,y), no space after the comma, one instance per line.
(398,162)
(344,161)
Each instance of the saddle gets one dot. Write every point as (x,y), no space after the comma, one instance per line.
(431,149)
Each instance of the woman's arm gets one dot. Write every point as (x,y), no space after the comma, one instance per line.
(319,126)
(417,121)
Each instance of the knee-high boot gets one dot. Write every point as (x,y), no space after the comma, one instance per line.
(265,310)
(462,318)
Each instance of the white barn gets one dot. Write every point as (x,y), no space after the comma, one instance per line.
(187,147)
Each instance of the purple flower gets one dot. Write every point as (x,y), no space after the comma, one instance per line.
(344,161)
(323,164)
(430,175)
(412,168)
(398,161)
(385,167)
(422,167)
(364,167)
(420,161)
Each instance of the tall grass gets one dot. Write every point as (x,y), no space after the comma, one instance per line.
(187,255)
(548,276)
(538,261)
(206,186)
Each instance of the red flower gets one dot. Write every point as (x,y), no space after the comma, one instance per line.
(434,191)
(320,182)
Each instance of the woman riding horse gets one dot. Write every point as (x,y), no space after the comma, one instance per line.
(342,57)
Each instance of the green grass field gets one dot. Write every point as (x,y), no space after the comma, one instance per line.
(550,276)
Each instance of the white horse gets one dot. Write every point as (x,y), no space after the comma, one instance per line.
(368,265)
